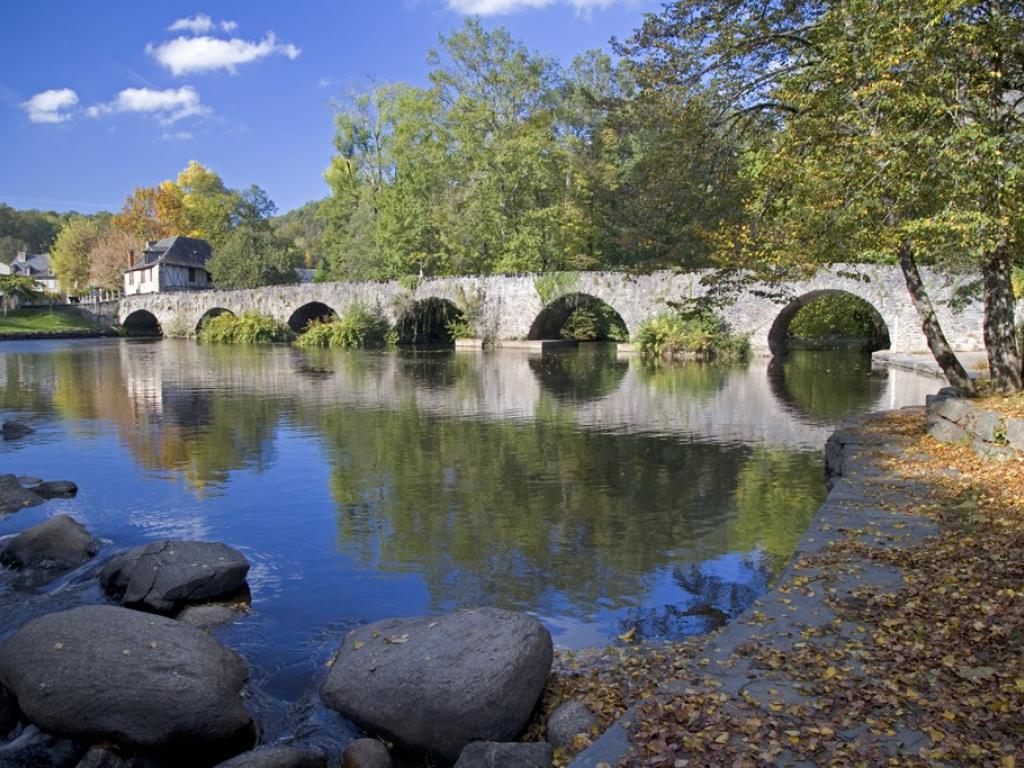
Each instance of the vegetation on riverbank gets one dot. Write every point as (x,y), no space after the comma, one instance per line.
(834,316)
(42,321)
(358,326)
(704,336)
(248,328)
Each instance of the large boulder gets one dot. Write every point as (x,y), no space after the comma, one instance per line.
(489,754)
(366,753)
(276,757)
(59,544)
(13,496)
(103,673)
(167,575)
(436,684)
(12,430)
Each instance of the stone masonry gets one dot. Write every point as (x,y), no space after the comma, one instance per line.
(508,307)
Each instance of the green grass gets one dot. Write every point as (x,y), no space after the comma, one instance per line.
(42,321)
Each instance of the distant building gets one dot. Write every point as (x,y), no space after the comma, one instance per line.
(172,264)
(37,267)
(304,275)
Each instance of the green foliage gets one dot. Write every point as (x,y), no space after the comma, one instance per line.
(552,285)
(16,288)
(410,282)
(835,314)
(70,255)
(253,256)
(357,327)
(180,328)
(594,321)
(699,337)
(248,328)
(30,231)
(1018,282)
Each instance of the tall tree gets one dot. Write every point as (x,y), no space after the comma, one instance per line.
(891,132)
(252,254)
(113,251)
(69,257)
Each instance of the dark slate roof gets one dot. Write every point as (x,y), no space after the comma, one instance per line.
(39,264)
(180,250)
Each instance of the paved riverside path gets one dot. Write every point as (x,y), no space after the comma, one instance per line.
(797,611)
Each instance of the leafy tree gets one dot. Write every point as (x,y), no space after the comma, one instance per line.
(69,257)
(31,231)
(253,255)
(14,288)
(891,132)
(303,227)
(151,213)
(111,254)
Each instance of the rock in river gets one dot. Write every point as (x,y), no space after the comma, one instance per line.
(436,684)
(12,430)
(14,497)
(102,673)
(166,575)
(59,544)
(55,489)
(569,719)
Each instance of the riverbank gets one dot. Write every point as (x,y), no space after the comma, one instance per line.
(890,638)
(20,324)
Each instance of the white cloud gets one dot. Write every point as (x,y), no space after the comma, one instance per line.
(201,24)
(499,7)
(51,106)
(176,135)
(201,54)
(168,106)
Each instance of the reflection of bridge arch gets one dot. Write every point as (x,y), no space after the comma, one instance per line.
(778,334)
(579,376)
(797,383)
(552,318)
(304,315)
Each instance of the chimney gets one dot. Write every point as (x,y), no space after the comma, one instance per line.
(131,257)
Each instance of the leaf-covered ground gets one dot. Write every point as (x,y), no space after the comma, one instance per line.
(925,670)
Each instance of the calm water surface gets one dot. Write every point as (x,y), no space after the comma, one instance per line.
(596,493)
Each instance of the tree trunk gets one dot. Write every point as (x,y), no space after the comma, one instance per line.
(1004,362)
(944,355)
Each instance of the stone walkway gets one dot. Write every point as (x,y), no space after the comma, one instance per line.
(860,506)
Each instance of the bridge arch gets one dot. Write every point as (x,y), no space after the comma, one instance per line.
(595,320)
(142,322)
(210,314)
(312,310)
(428,321)
(779,334)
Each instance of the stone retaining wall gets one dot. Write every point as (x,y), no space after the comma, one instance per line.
(953,419)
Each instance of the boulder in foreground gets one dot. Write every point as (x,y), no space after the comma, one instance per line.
(166,575)
(436,684)
(58,544)
(366,753)
(102,673)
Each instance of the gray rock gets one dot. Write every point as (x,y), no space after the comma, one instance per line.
(947,432)
(27,481)
(209,616)
(276,757)
(366,753)
(569,719)
(55,489)
(167,575)
(1015,434)
(436,684)
(12,430)
(59,544)
(102,673)
(13,497)
(101,757)
(491,754)
(8,711)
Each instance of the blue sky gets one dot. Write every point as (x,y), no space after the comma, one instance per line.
(98,97)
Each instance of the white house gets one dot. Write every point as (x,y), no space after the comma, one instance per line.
(172,264)
(37,267)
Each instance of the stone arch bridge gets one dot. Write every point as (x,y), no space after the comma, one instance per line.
(528,306)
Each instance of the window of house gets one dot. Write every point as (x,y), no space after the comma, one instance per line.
(191,274)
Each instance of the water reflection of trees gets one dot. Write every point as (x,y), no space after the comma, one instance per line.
(535,514)
(591,372)
(825,387)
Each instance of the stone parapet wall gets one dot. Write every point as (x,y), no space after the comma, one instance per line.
(952,419)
